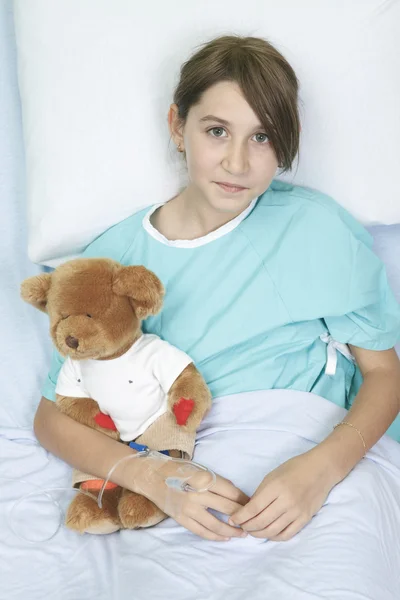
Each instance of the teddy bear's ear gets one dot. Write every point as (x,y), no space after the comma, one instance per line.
(34,290)
(142,287)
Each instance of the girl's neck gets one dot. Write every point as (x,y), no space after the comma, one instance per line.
(186,217)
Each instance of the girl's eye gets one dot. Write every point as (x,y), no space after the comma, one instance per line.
(217,132)
(64,317)
(217,129)
(264,137)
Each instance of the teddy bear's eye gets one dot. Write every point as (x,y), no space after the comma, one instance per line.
(90,316)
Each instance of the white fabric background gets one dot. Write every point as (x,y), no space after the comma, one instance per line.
(96,84)
(24,345)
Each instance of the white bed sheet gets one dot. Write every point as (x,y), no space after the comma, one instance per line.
(350,550)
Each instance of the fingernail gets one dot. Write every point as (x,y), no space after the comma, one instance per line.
(243,534)
(231,522)
(226,539)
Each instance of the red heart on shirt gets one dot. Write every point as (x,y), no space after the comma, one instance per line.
(182,410)
(105,421)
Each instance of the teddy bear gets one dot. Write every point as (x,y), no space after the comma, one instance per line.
(131,386)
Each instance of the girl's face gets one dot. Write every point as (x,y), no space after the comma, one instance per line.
(224,143)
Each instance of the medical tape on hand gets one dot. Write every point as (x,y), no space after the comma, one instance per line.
(157,471)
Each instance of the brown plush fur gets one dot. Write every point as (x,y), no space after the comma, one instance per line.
(190,384)
(96,305)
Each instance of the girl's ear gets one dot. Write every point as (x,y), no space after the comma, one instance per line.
(34,290)
(142,287)
(175,127)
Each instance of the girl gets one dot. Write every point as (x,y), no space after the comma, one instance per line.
(257,272)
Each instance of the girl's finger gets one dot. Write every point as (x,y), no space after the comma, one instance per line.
(254,507)
(216,502)
(200,514)
(225,488)
(265,518)
(209,527)
(275,529)
(219,527)
(202,531)
(290,531)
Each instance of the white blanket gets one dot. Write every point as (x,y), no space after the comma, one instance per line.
(350,549)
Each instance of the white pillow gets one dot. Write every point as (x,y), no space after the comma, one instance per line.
(96,80)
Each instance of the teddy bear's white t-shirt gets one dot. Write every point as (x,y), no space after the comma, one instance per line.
(132,389)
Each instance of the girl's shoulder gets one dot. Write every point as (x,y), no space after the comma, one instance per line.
(282,203)
(118,238)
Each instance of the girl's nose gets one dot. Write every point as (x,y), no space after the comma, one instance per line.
(236,159)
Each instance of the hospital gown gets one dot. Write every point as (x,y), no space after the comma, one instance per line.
(261,302)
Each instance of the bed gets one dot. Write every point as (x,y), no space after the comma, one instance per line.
(349,551)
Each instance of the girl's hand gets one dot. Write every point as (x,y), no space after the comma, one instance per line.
(287,498)
(188,508)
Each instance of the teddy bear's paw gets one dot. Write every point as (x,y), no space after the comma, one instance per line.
(84,515)
(103,527)
(136,511)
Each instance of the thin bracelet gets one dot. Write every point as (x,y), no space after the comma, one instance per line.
(358,431)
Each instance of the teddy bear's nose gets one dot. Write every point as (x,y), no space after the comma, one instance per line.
(72,342)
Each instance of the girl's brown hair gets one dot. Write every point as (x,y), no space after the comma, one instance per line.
(267,81)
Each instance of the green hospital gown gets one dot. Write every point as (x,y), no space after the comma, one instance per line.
(253,301)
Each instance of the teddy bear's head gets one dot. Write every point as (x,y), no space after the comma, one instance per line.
(95,305)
